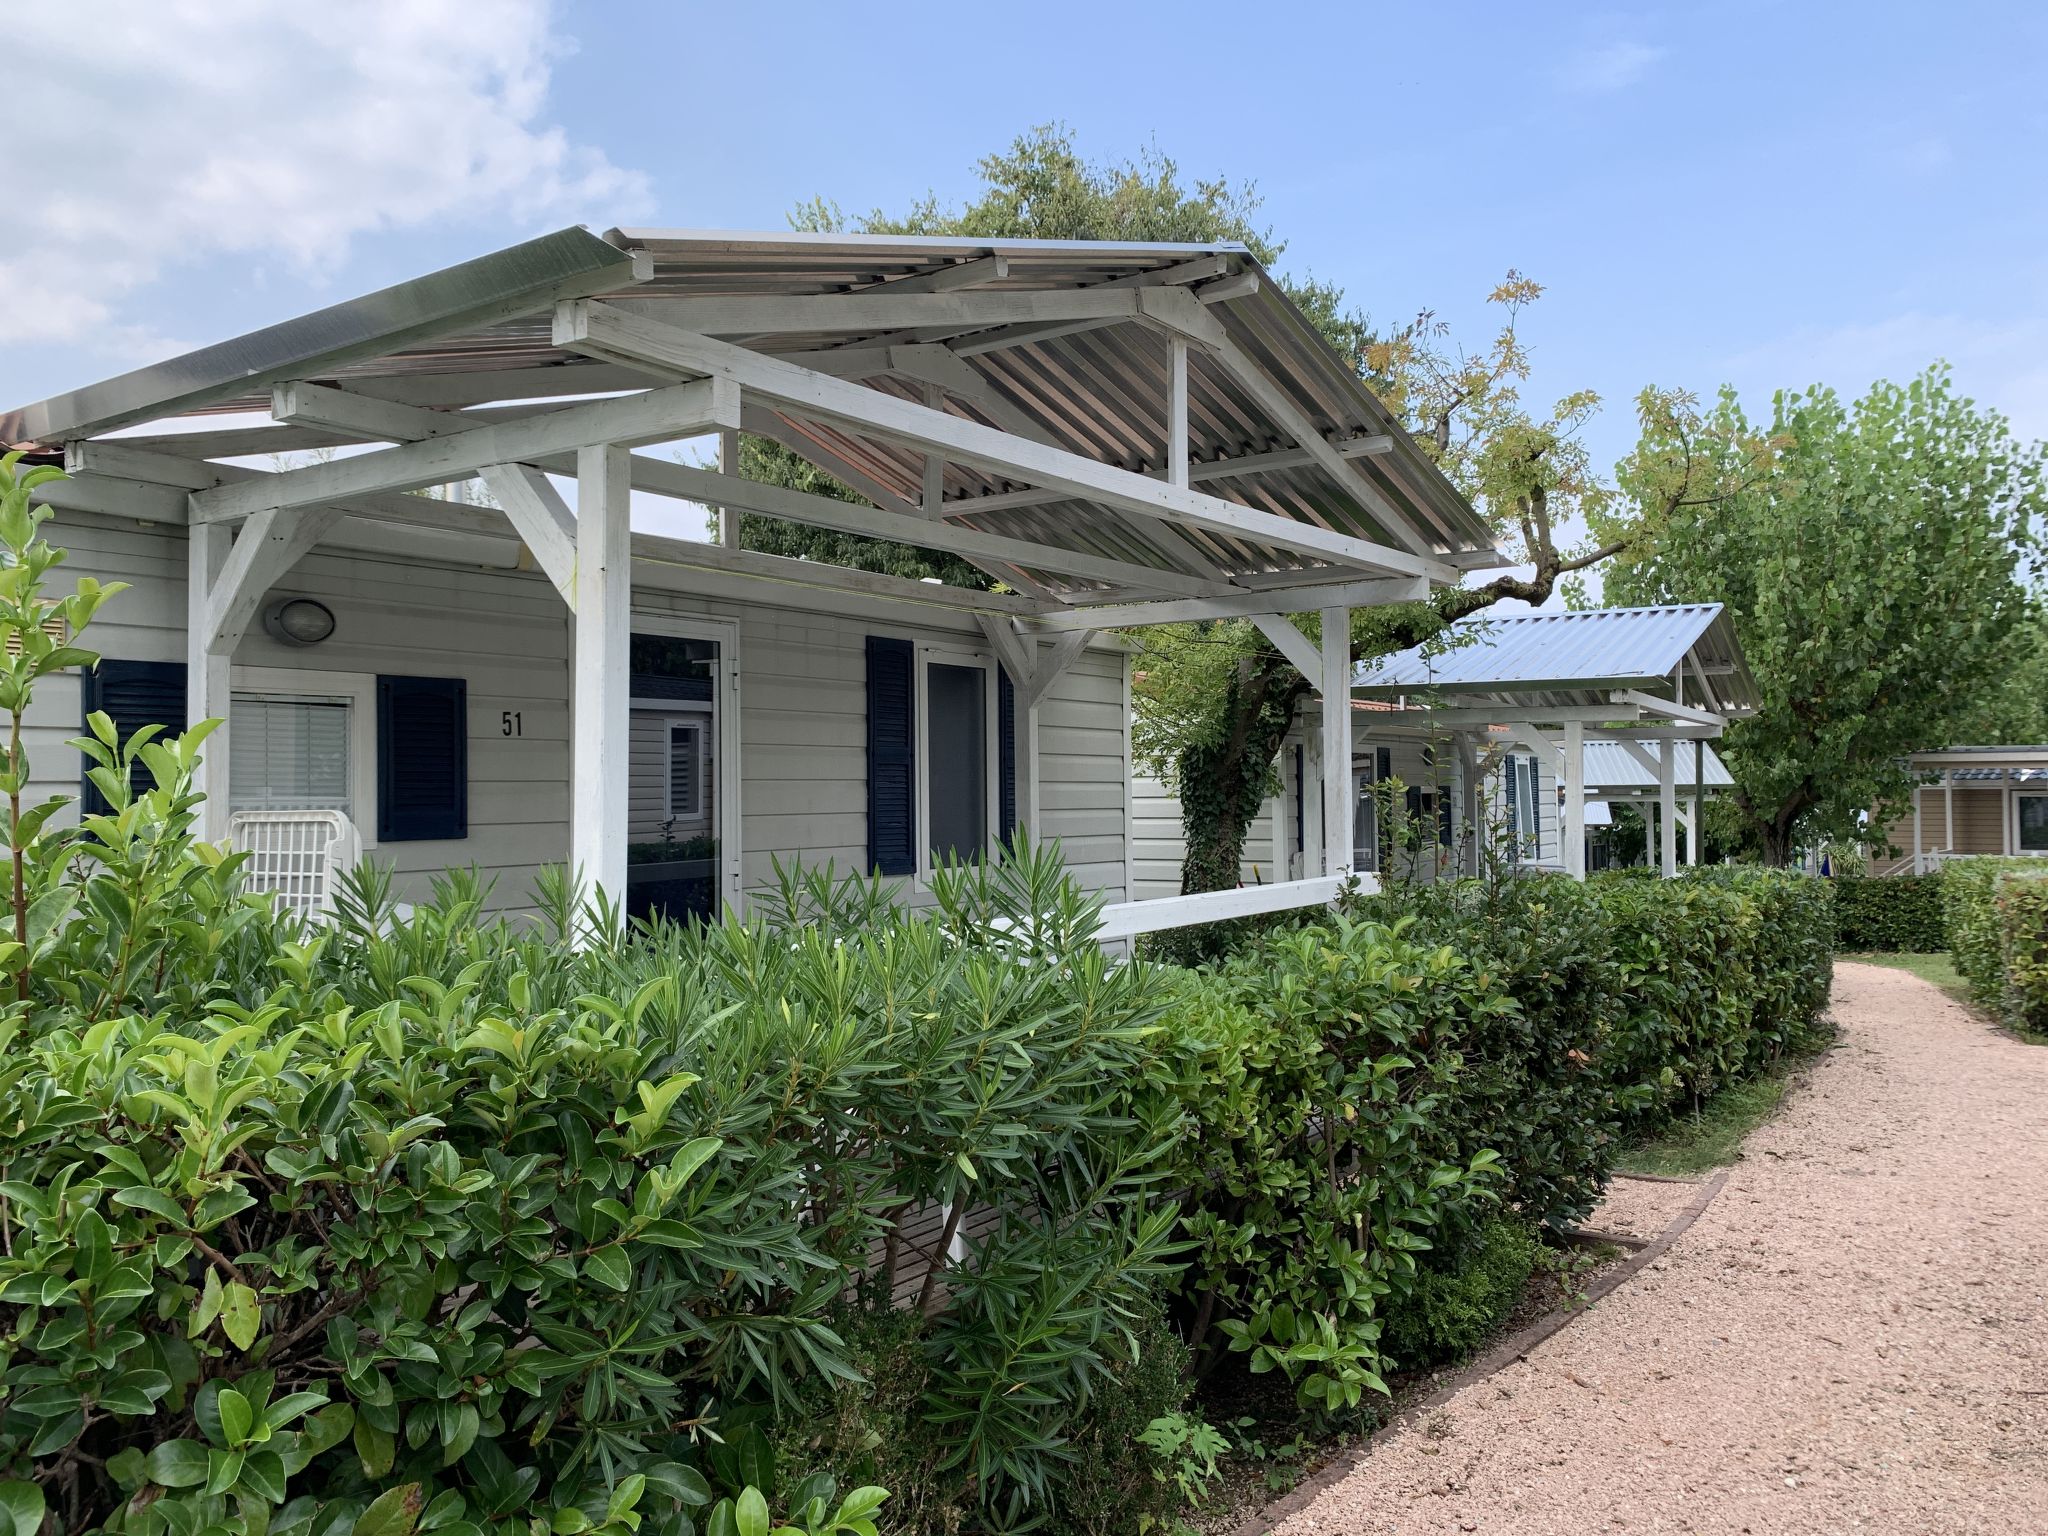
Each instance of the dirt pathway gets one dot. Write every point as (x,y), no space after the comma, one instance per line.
(1854,1337)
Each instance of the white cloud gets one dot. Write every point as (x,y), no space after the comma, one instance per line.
(150,133)
(1609,66)
(1999,364)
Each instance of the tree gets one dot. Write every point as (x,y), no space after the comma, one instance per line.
(1040,188)
(1873,575)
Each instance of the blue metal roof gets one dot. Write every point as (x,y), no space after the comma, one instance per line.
(1612,767)
(1570,656)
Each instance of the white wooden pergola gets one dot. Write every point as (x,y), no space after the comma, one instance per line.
(1122,434)
(1658,683)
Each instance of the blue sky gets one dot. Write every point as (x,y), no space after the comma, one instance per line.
(1759,193)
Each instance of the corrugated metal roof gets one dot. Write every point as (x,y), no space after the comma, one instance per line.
(482,332)
(1562,658)
(1612,768)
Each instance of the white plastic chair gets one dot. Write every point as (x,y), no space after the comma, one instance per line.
(296,857)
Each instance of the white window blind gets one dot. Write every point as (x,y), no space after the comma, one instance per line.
(287,754)
(685,770)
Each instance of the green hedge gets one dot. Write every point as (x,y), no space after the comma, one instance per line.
(1997,916)
(2023,943)
(1889,914)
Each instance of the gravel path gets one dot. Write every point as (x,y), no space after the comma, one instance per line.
(1853,1337)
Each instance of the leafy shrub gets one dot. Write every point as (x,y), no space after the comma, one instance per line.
(1969,909)
(1536,1084)
(1791,961)
(1460,1302)
(2022,903)
(1889,914)
(1319,1158)
(426,1223)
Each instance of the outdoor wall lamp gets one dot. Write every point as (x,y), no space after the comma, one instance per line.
(300,621)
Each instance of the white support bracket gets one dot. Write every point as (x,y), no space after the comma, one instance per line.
(1291,643)
(225,584)
(545,524)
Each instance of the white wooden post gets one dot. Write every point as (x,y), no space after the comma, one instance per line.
(1919,842)
(604,631)
(207,673)
(1471,827)
(1177,416)
(1336,691)
(1667,808)
(1948,796)
(729,464)
(1571,822)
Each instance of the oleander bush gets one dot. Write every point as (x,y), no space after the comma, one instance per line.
(1889,914)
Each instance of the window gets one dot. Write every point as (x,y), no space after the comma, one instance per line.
(302,740)
(685,771)
(2031,812)
(289,754)
(957,781)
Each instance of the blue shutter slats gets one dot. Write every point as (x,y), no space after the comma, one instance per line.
(892,756)
(132,694)
(1006,756)
(422,758)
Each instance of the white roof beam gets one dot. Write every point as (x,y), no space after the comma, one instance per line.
(884,309)
(705,485)
(1684,713)
(1200,472)
(1236,605)
(680,410)
(545,523)
(1183,314)
(174,478)
(600,330)
(950,279)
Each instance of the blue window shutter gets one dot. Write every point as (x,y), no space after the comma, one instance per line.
(1514,773)
(132,694)
(1006,756)
(892,756)
(1300,788)
(422,758)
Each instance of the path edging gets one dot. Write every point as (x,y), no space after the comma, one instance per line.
(1514,1348)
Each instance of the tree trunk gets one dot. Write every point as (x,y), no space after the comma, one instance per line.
(1222,783)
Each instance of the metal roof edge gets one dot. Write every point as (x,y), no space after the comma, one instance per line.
(565,264)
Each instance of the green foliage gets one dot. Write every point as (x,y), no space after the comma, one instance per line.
(1873,577)
(1460,1301)
(1995,911)
(1320,1159)
(1890,913)
(2022,904)
(1040,188)
(1969,910)
(436,1210)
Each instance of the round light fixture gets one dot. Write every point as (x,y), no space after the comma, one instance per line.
(300,621)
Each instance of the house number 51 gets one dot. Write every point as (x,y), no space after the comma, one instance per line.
(511,724)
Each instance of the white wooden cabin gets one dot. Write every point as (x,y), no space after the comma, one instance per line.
(1118,434)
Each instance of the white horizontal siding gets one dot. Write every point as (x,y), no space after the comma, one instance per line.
(1159,842)
(802,703)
